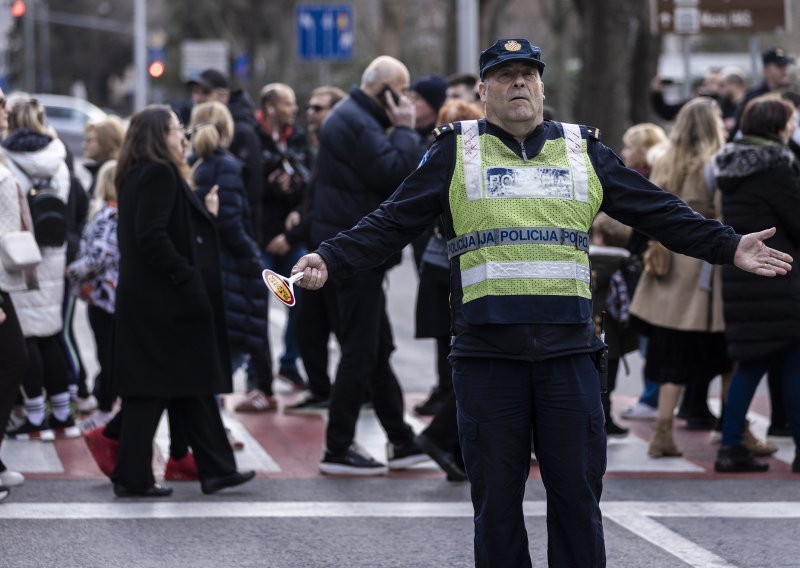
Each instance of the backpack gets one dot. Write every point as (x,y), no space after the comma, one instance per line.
(48,211)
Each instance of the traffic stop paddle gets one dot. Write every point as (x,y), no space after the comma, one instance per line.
(282,287)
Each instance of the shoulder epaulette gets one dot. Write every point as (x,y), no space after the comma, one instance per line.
(592,132)
(440,131)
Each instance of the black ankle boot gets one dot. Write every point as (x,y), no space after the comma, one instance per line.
(736,459)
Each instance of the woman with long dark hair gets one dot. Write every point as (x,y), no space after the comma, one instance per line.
(170,344)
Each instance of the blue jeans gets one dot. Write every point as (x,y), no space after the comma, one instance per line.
(649,395)
(283,265)
(743,388)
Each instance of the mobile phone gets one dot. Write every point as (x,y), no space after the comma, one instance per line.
(392,92)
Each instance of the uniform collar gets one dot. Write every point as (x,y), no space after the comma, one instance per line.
(533,143)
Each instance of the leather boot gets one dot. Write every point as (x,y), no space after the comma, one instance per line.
(755,446)
(662,444)
(736,459)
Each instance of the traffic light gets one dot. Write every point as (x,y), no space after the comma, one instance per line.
(18,9)
(156,58)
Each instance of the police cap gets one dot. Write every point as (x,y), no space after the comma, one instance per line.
(505,50)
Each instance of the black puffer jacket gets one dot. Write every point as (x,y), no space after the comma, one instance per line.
(244,294)
(359,165)
(246,147)
(760,184)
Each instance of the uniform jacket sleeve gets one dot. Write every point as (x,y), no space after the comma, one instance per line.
(411,209)
(631,199)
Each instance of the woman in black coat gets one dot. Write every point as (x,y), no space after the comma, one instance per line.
(244,293)
(760,184)
(169,345)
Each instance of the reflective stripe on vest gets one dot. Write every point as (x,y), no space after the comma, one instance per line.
(533,269)
(577,161)
(473,176)
(517,236)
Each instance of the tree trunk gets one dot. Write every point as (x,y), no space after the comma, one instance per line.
(393,15)
(643,67)
(607,46)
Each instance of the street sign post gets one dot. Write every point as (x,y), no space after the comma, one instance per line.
(324,32)
(719,16)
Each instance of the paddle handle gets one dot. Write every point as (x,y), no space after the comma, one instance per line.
(295,278)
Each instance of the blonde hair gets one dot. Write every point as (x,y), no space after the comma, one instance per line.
(206,139)
(109,132)
(28,113)
(104,188)
(695,138)
(644,136)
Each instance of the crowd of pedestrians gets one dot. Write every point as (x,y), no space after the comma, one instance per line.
(167,245)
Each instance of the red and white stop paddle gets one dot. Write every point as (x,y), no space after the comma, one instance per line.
(282,287)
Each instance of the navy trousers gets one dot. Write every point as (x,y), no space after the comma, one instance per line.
(498,401)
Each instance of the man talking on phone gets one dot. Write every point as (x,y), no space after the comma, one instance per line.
(367,148)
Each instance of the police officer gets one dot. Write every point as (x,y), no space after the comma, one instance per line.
(517,196)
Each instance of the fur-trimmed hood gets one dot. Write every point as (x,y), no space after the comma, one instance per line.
(748,156)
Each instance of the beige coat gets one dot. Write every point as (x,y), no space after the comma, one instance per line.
(677,300)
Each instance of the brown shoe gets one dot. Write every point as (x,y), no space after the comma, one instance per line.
(257,401)
(661,444)
(756,446)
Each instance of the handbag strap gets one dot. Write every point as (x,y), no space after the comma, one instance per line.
(26,222)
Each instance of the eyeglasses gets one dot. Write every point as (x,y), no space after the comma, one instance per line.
(317,108)
(193,129)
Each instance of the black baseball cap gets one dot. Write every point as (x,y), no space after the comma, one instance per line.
(777,56)
(210,80)
(505,50)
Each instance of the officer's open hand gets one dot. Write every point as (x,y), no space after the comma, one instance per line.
(754,256)
(315,272)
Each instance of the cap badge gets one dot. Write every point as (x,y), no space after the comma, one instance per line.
(512,45)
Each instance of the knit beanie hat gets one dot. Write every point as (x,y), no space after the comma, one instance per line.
(433,89)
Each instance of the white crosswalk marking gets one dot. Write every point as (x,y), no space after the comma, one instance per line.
(31,456)
(638,517)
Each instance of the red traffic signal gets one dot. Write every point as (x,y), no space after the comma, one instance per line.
(18,9)
(156,69)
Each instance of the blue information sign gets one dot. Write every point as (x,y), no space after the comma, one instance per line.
(324,32)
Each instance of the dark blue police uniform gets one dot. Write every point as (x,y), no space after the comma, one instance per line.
(510,377)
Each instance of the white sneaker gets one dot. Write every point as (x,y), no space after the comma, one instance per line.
(95,420)
(11,478)
(640,411)
(87,405)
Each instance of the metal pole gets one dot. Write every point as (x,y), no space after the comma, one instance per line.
(140,53)
(687,68)
(755,52)
(29,32)
(44,48)
(468,36)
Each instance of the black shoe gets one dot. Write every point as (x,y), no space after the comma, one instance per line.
(614,429)
(30,431)
(403,457)
(213,484)
(309,405)
(796,463)
(354,461)
(67,427)
(775,431)
(736,459)
(431,406)
(294,378)
(155,491)
(442,457)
